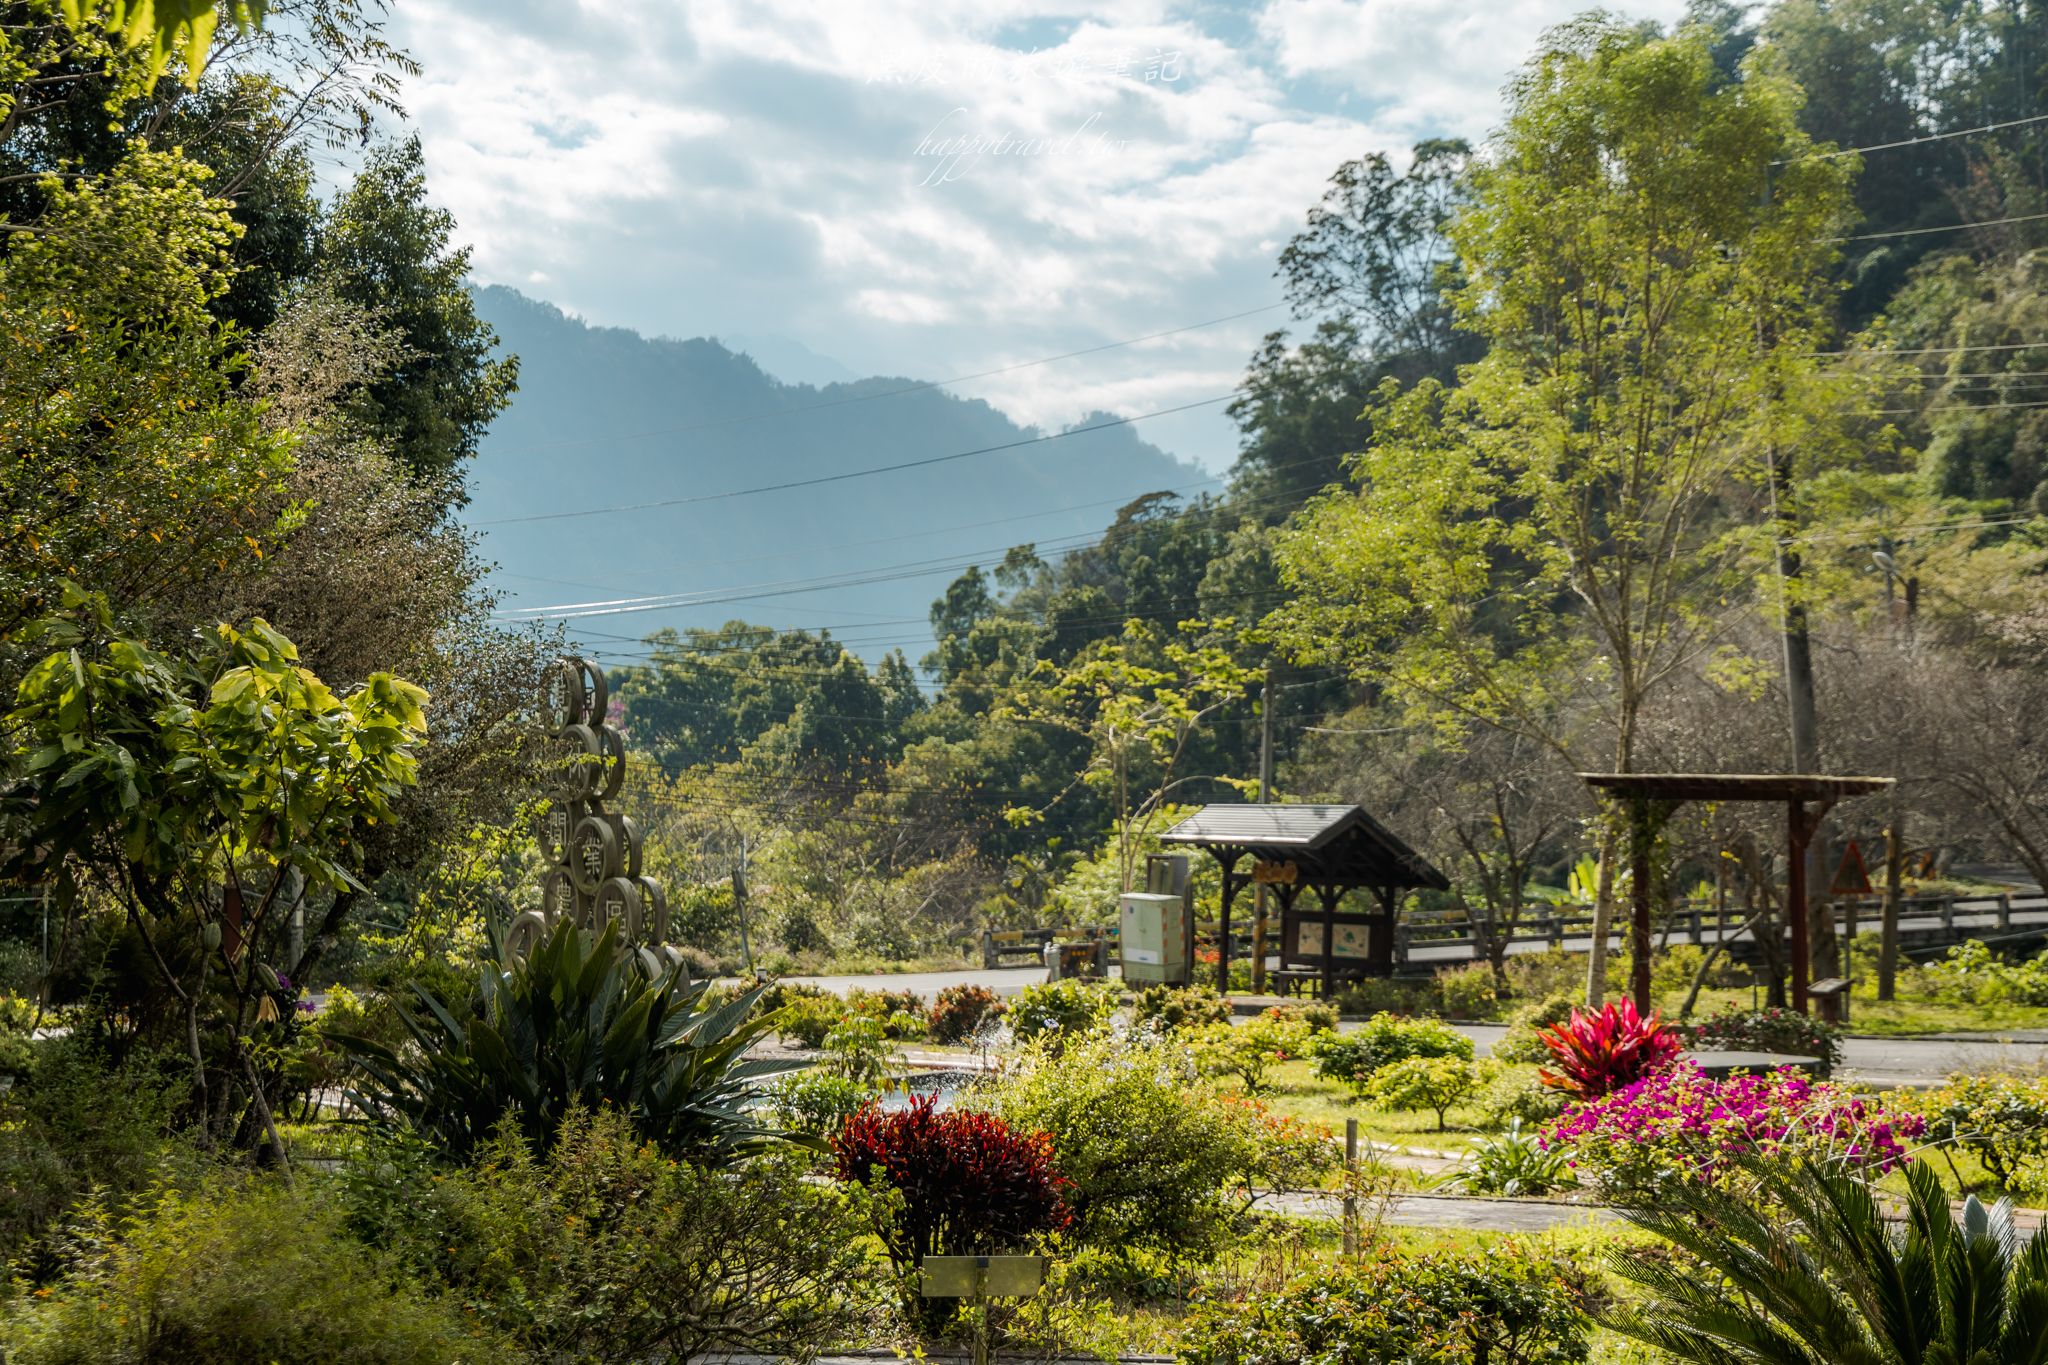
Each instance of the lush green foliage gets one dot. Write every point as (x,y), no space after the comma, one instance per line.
(602,1247)
(255,1270)
(1382,1041)
(1059,1010)
(1176,1007)
(1249,1051)
(1151,1157)
(1433,1083)
(1818,1274)
(2002,1120)
(1513,1162)
(1972,973)
(1506,1306)
(960,1012)
(577,1024)
(1783,1031)
(816,1102)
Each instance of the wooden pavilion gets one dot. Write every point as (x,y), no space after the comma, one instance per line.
(1651,797)
(1330,850)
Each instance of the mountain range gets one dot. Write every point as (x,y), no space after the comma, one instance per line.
(682,439)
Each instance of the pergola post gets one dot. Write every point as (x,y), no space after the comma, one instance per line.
(1640,838)
(1801,825)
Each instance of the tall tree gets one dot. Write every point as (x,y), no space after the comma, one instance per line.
(1565,516)
(386,249)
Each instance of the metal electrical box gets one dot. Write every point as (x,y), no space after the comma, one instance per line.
(1153,937)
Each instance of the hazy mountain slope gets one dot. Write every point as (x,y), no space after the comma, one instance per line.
(606,417)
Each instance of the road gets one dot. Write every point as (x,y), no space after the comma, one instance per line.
(1875,1061)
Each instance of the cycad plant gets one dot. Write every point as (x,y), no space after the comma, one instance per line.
(1803,1268)
(579,1023)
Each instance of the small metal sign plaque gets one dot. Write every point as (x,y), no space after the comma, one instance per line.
(975,1277)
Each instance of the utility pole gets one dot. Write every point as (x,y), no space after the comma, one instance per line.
(1266,697)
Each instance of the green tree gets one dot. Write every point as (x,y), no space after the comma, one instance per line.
(386,249)
(1569,517)
(188,791)
(1138,701)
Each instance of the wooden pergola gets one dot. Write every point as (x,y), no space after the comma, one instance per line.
(1651,797)
(1328,849)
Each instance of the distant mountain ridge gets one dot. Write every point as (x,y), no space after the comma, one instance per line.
(606,417)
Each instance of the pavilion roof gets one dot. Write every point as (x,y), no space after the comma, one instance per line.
(1331,845)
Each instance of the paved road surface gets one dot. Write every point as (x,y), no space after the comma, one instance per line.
(1876,1061)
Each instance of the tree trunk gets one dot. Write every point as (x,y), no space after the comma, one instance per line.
(1894,889)
(1603,920)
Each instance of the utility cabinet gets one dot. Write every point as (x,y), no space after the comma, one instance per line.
(1156,926)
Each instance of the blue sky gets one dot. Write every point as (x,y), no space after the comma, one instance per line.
(937,189)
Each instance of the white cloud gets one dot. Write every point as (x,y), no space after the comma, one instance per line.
(753,166)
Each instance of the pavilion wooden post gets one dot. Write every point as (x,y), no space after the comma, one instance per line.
(1379,948)
(1329,896)
(1229,859)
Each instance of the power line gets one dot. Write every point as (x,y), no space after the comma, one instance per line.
(1942,350)
(1912,141)
(1952,227)
(863,473)
(886,393)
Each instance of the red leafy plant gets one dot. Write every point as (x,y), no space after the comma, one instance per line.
(1597,1054)
(967,1184)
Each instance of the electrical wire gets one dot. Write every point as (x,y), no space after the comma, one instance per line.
(1912,141)
(862,473)
(1952,227)
(886,393)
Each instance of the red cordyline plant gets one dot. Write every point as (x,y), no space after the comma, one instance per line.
(1600,1053)
(970,1183)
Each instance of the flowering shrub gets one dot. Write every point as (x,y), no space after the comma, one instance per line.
(1678,1122)
(959,1011)
(1599,1053)
(1381,1041)
(1772,1030)
(968,1183)
(1502,1306)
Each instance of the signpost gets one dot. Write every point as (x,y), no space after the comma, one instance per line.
(981,1278)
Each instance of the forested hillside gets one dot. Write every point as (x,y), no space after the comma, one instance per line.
(607,418)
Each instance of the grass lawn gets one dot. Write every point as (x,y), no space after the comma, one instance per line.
(1294,1089)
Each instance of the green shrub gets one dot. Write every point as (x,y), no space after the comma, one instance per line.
(1468,991)
(2000,1120)
(1433,1083)
(17,1024)
(1523,1041)
(603,1248)
(1381,1041)
(1385,995)
(1537,976)
(858,1049)
(1771,1030)
(76,1123)
(578,1023)
(243,1270)
(816,1102)
(1151,1155)
(1249,1050)
(1513,1162)
(806,1020)
(1063,1009)
(959,1012)
(1515,1093)
(900,1013)
(1973,974)
(1178,1007)
(1501,1306)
